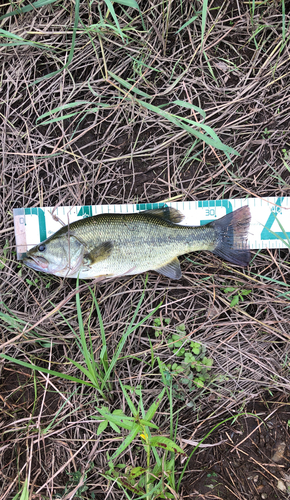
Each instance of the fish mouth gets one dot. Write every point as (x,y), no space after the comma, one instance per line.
(36,263)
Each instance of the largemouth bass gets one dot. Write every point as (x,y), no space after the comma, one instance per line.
(111,245)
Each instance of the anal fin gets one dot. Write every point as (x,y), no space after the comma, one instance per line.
(171,269)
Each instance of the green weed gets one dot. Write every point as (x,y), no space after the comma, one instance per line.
(239,294)
(267,133)
(157,323)
(155,480)
(77,478)
(191,367)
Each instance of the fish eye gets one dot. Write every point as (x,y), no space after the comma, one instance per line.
(41,248)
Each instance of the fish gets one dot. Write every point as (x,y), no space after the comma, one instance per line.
(113,245)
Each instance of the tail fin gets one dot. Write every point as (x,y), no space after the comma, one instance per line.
(232,232)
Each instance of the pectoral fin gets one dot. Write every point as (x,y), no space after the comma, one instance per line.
(171,269)
(98,253)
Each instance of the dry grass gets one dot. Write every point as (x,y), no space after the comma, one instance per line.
(115,150)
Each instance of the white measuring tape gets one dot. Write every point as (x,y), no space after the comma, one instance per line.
(270,219)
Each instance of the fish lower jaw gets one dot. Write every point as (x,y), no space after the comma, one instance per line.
(34,264)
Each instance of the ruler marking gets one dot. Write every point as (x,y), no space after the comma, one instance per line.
(38,223)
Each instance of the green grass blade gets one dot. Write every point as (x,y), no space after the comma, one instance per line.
(120,420)
(16,40)
(283,231)
(283,20)
(191,20)
(178,121)
(139,304)
(90,362)
(286,242)
(129,86)
(131,328)
(62,108)
(28,8)
(209,66)
(104,351)
(12,322)
(128,3)
(71,52)
(130,403)
(86,111)
(154,407)
(211,139)
(92,376)
(58,119)
(45,370)
(272,280)
(50,425)
(203,20)
(122,342)
(188,105)
(153,490)
(252,9)
(25,492)
(113,13)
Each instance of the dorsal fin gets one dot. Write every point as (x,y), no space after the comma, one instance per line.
(166,213)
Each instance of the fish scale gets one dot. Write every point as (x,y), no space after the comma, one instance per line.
(140,242)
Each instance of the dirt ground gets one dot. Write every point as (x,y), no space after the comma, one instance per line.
(253,454)
(73,133)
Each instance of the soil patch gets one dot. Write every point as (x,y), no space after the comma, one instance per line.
(252,460)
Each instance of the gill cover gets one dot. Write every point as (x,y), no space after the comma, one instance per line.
(59,255)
